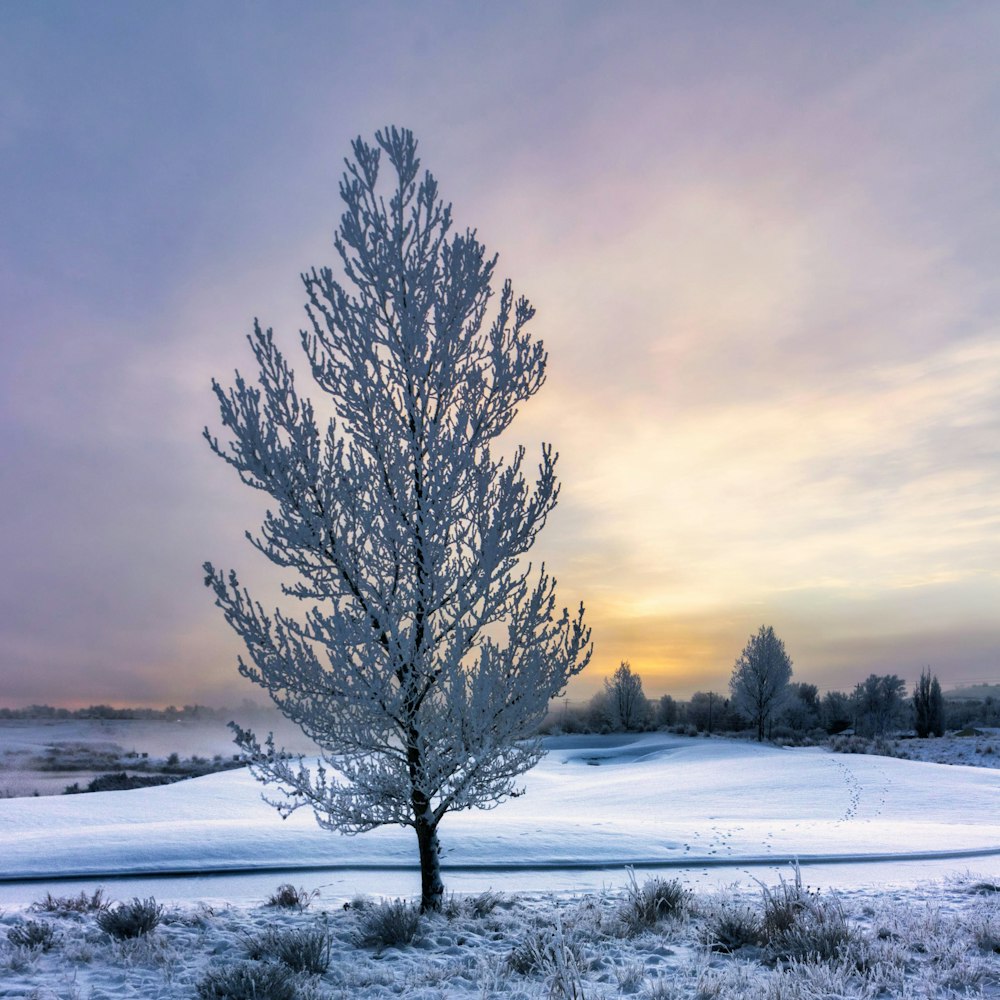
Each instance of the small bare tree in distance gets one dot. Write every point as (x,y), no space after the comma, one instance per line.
(759,683)
(429,652)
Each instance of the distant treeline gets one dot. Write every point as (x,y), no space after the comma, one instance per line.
(878,706)
(169,714)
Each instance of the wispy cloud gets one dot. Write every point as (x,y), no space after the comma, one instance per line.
(867,489)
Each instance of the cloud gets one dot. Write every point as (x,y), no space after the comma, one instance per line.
(862,495)
(889,471)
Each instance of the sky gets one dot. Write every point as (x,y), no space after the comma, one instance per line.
(761,240)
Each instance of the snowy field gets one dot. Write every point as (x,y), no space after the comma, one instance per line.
(648,800)
(732,944)
(979,749)
(670,805)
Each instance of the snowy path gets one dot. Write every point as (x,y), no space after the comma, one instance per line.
(594,802)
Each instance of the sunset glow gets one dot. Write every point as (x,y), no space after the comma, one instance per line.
(761,240)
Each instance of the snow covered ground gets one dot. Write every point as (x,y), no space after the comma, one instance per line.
(652,799)
(980,749)
(933,942)
(594,805)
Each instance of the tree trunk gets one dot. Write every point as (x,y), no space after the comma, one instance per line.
(431,886)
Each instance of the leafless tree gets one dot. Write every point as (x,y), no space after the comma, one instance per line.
(625,699)
(878,704)
(759,683)
(429,652)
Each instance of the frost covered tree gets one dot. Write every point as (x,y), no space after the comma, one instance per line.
(836,712)
(667,714)
(800,711)
(625,700)
(759,684)
(706,711)
(879,704)
(429,651)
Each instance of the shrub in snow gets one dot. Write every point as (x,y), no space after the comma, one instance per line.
(483,904)
(630,976)
(542,948)
(248,981)
(78,951)
(132,919)
(549,953)
(524,956)
(63,905)
(288,897)
(982,887)
(663,988)
(302,949)
(476,907)
(388,925)
(20,959)
(36,935)
(819,932)
(729,926)
(657,899)
(879,747)
(984,928)
(782,906)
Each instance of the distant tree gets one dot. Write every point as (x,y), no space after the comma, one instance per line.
(625,699)
(429,652)
(801,709)
(928,706)
(962,712)
(759,684)
(878,704)
(990,714)
(836,712)
(706,711)
(667,711)
(600,715)
(567,718)
(809,696)
(937,708)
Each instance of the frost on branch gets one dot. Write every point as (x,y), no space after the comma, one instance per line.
(428,650)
